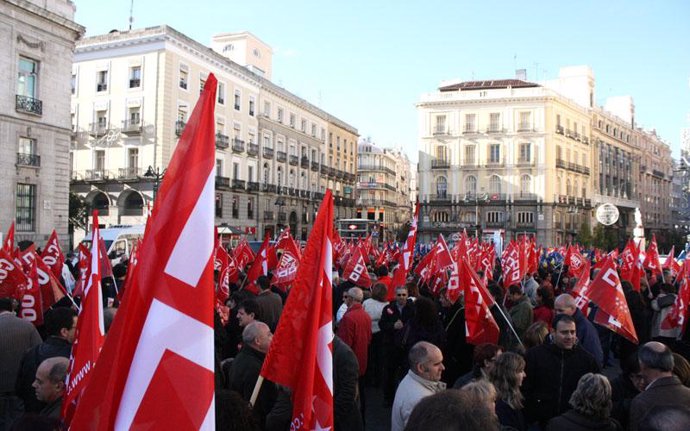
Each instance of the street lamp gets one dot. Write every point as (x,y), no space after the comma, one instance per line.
(156,174)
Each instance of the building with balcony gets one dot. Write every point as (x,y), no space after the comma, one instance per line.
(134,92)
(34,117)
(654,181)
(383,187)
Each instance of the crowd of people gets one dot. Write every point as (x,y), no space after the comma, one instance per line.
(409,346)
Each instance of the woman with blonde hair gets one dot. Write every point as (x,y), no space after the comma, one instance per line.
(507,375)
(482,391)
(535,334)
(591,407)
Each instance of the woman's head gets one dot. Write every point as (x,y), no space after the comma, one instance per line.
(681,368)
(483,391)
(507,375)
(545,297)
(425,312)
(485,356)
(535,334)
(592,397)
(379,292)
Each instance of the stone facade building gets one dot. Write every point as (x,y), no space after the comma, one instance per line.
(35,59)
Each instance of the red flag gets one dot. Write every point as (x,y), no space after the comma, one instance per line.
(13,281)
(286,271)
(106,267)
(581,290)
(31,307)
(511,265)
(651,260)
(613,312)
(301,353)
(83,264)
(49,286)
(576,261)
(157,363)
(480,326)
(356,270)
(671,264)
(630,265)
(90,333)
(259,267)
(678,316)
(8,243)
(131,268)
(243,254)
(442,258)
(52,255)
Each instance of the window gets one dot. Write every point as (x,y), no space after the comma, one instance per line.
(250,173)
(470,122)
(202,84)
(495,185)
(28,78)
(525,217)
(221,93)
(494,122)
(73,83)
(250,208)
(235,207)
(252,104)
(267,109)
(525,152)
(280,115)
(440,124)
(184,76)
(495,153)
(292,120)
(303,126)
(441,187)
(235,171)
(102,119)
(525,185)
(102,80)
(558,153)
(134,116)
(26,207)
(219,167)
(471,185)
(470,155)
(525,121)
(267,172)
(238,99)
(219,205)
(99,160)
(27,146)
(313,130)
(494,217)
(135,77)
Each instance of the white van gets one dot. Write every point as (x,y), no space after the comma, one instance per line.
(119,241)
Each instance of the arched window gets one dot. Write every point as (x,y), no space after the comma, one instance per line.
(441,187)
(525,185)
(279,178)
(495,185)
(471,185)
(267,173)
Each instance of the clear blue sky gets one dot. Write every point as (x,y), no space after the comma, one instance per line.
(368,62)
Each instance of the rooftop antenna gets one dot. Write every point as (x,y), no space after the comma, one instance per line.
(131,14)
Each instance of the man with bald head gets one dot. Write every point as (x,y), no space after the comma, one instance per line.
(423,379)
(355,331)
(663,389)
(587,335)
(50,384)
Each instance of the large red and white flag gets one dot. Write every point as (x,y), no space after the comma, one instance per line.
(288,263)
(301,353)
(8,242)
(259,267)
(156,369)
(90,333)
(671,264)
(678,316)
(480,326)
(613,313)
(651,259)
(52,255)
(243,254)
(631,269)
(13,281)
(356,269)
(511,265)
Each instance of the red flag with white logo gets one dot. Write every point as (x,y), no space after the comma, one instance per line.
(356,269)
(31,306)
(156,369)
(671,264)
(511,265)
(259,267)
(90,333)
(480,326)
(631,269)
(581,290)
(288,264)
(651,260)
(52,255)
(301,353)
(678,316)
(13,281)
(8,242)
(613,313)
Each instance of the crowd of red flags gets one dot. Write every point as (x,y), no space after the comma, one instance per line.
(159,352)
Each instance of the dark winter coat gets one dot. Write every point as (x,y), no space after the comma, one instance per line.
(575,421)
(243,376)
(588,337)
(52,347)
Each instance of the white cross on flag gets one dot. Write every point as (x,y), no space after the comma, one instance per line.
(156,367)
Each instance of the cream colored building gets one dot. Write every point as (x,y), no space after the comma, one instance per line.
(383,188)
(655,181)
(36,57)
(134,92)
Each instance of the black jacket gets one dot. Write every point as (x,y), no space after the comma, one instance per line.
(243,376)
(390,315)
(52,347)
(552,376)
(574,421)
(622,393)
(345,397)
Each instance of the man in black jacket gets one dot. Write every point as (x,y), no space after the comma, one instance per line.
(393,319)
(553,371)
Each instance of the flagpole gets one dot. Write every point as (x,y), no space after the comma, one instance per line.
(257,388)
(509,324)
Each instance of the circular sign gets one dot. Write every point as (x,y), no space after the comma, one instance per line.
(607,214)
(352,226)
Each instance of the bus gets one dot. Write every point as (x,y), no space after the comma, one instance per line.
(353,228)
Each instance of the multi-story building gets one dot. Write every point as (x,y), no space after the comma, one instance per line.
(680,206)
(34,117)
(509,157)
(383,187)
(133,92)
(655,181)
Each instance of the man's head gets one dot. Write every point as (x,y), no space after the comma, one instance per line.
(258,336)
(666,418)
(6,304)
(565,304)
(61,322)
(515,292)
(564,331)
(485,356)
(401,295)
(263,282)
(382,271)
(247,312)
(656,360)
(453,410)
(50,379)
(354,296)
(426,360)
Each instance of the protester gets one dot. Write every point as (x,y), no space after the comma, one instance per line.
(49,384)
(663,388)
(16,337)
(425,325)
(507,375)
(61,325)
(591,407)
(393,319)
(248,312)
(521,311)
(233,412)
(626,386)
(256,338)
(587,335)
(662,306)
(270,304)
(423,379)
(355,331)
(535,335)
(666,418)
(640,319)
(499,312)
(681,369)
(483,359)
(347,415)
(483,391)
(553,371)
(452,410)
(374,307)
(529,287)
(457,354)
(543,312)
